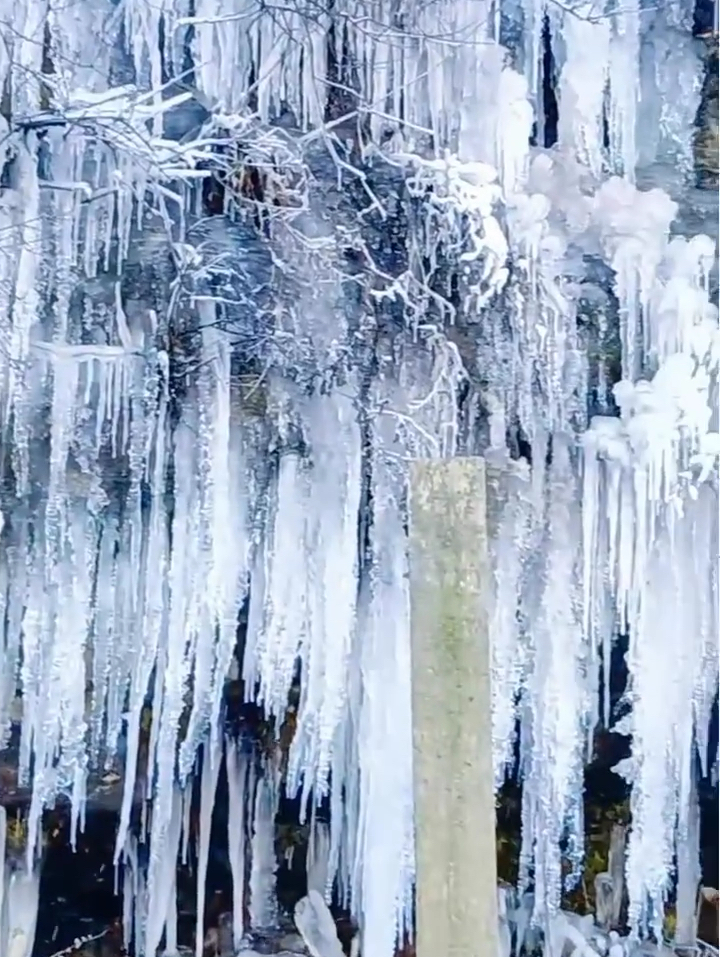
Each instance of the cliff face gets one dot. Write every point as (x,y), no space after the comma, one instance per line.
(706,137)
(233,309)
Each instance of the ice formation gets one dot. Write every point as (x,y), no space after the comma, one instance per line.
(198,417)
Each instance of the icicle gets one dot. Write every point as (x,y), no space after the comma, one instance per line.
(136,891)
(318,856)
(509,545)
(652,531)
(186,827)
(208,787)
(161,889)
(95,584)
(263,901)
(339,771)
(3,846)
(663,713)
(317,928)
(237,774)
(533,13)
(556,702)
(129,898)
(22,888)
(583,83)
(271,654)
(171,923)
(335,500)
(383,864)
(515,119)
(184,618)
(624,76)
(688,873)
(670,77)
(705,533)
(325,500)
(634,227)
(223,508)
(151,618)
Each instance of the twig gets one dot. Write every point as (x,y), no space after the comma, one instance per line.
(78,943)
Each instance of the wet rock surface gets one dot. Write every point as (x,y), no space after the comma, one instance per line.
(78,899)
(79,903)
(77,893)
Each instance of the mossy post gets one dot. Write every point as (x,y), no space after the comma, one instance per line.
(456,889)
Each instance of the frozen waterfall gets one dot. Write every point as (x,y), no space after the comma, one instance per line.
(252,263)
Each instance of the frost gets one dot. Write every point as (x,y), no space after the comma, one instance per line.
(467,194)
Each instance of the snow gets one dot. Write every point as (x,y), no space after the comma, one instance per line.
(142,513)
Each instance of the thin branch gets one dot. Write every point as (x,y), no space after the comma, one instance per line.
(78,943)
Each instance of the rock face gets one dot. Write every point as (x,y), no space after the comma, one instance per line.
(317,927)
(707,925)
(706,136)
(378,251)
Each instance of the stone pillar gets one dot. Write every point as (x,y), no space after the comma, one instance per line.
(456,889)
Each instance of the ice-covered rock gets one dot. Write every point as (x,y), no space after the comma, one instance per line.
(317,927)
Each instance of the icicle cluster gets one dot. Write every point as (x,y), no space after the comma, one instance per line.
(141,514)
(651,537)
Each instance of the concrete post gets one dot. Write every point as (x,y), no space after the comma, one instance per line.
(456,889)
